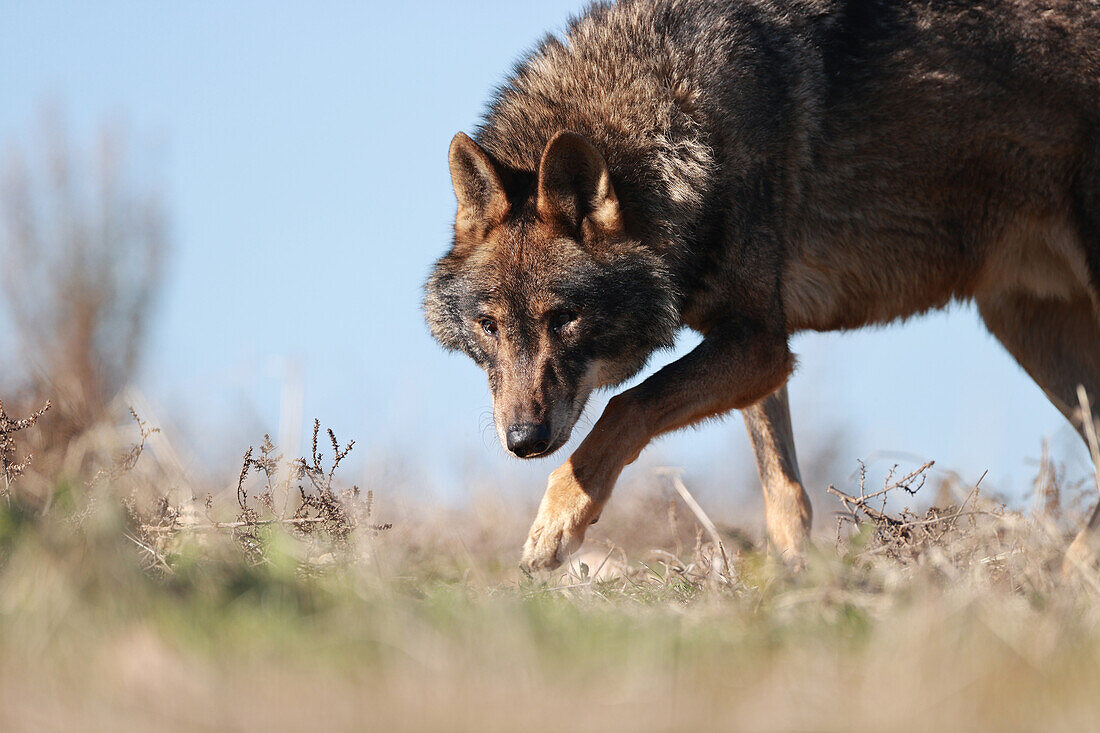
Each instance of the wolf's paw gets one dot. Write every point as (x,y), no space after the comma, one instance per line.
(547,547)
(565,513)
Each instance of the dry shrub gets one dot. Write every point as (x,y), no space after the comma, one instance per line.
(965,539)
(12,464)
(82,245)
(301,497)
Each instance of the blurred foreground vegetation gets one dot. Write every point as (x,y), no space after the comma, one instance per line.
(121,610)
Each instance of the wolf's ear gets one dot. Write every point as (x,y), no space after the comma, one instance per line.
(575,185)
(482,202)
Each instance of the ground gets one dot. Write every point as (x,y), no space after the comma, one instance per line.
(131,615)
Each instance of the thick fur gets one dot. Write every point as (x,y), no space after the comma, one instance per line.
(753,169)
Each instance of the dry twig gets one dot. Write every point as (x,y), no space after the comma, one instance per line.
(704,520)
(9,466)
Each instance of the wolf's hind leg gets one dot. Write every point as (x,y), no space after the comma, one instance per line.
(1058,343)
(786,505)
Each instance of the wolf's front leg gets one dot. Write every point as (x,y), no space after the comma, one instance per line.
(732,368)
(577,491)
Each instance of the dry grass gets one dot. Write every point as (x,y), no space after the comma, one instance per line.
(289,606)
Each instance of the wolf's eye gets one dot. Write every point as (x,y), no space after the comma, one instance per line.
(488,325)
(560,319)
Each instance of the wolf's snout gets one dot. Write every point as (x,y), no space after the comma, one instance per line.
(528,439)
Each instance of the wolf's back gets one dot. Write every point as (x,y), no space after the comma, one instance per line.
(645,67)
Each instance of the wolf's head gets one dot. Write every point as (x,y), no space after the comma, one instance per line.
(545,288)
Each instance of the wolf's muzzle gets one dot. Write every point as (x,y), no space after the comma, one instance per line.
(528,439)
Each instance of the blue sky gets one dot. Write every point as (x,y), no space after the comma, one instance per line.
(302,152)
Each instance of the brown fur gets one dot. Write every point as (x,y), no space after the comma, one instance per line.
(754,169)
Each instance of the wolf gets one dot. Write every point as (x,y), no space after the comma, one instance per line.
(750,169)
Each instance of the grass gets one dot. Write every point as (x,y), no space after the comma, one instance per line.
(109,621)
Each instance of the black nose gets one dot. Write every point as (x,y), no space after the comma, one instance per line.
(528,438)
